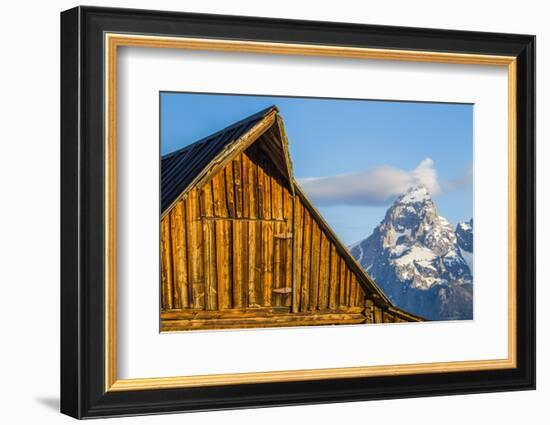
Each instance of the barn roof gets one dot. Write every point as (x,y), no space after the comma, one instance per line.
(180,168)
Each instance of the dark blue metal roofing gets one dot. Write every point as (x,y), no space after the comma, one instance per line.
(179,168)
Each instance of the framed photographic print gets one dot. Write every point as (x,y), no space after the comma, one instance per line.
(262,212)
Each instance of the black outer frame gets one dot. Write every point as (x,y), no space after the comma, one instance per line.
(82,205)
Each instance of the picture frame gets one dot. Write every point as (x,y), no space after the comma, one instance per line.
(90,40)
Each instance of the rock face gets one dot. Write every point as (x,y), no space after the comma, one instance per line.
(422,264)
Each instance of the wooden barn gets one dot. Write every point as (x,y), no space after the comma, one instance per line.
(242,246)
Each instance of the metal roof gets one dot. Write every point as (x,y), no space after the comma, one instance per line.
(179,168)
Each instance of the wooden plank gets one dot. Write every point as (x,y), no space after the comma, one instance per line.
(288,202)
(179,256)
(191,313)
(353,289)
(297,257)
(237,264)
(195,260)
(223,263)
(267,190)
(324,271)
(342,283)
(258,282)
(277,198)
(247,219)
(260,183)
(245,184)
(219,197)
(286,153)
(209,250)
(279,244)
(166,268)
(348,288)
(210,273)
(306,261)
(315,266)
(252,189)
(259,322)
(377,315)
(369,311)
(278,264)
(334,277)
(253,253)
(245,265)
(207,200)
(230,189)
(287,244)
(360,294)
(267,262)
(237,178)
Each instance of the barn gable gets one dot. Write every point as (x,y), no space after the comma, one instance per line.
(242,246)
(195,163)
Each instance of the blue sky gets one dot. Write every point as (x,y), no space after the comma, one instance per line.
(369,148)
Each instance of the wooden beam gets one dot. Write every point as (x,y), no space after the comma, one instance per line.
(237,264)
(242,219)
(257,322)
(238,182)
(306,261)
(288,161)
(315,266)
(219,196)
(342,283)
(267,262)
(278,264)
(166,264)
(209,248)
(195,260)
(324,271)
(245,265)
(253,271)
(210,272)
(179,256)
(297,257)
(334,277)
(230,190)
(223,261)
(190,313)
(288,243)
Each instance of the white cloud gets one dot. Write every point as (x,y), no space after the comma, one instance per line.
(377,186)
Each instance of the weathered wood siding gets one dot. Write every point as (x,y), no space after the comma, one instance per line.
(243,251)
(323,280)
(228,245)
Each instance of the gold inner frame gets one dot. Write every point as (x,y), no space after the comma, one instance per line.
(113,41)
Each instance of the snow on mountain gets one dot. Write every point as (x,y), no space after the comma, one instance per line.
(465,241)
(419,260)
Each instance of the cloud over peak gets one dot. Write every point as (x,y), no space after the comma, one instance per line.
(377,186)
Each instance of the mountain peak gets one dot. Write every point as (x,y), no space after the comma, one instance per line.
(415,257)
(419,193)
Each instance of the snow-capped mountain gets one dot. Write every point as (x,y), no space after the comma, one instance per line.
(465,241)
(419,260)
